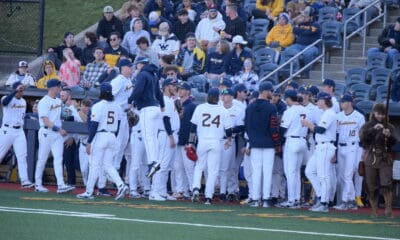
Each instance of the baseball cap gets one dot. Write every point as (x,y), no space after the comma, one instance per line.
(16,84)
(213,92)
(228,91)
(153,17)
(239,39)
(284,16)
(293,84)
(323,95)
(265,86)
(125,63)
(329,82)
(213,9)
(143,60)
(184,85)
(105,87)
(346,98)
(313,89)
(290,93)
(254,94)
(53,83)
(239,87)
(22,64)
(183,12)
(108,9)
(225,82)
(303,90)
(169,81)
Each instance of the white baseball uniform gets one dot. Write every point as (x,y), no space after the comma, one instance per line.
(50,140)
(314,116)
(294,149)
(12,134)
(211,121)
(319,167)
(121,90)
(348,152)
(107,114)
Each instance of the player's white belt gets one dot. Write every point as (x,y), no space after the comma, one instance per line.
(15,127)
(297,137)
(348,144)
(324,142)
(103,130)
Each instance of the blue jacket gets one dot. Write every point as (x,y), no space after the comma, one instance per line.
(234,63)
(262,126)
(147,89)
(395,92)
(184,131)
(215,63)
(307,33)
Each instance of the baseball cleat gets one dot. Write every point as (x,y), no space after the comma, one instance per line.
(104,192)
(254,203)
(208,201)
(359,202)
(27,184)
(196,196)
(320,208)
(40,188)
(157,197)
(341,207)
(65,188)
(134,194)
(153,168)
(85,195)
(121,192)
(265,204)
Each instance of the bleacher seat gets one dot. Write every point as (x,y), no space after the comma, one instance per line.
(198,82)
(355,23)
(396,62)
(331,35)
(265,69)
(340,89)
(394,109)
(380,76)
(375,60)
(381,93)
(365,106)
(285,56)
(355,75)
(360,91)
(327,14)
(264,55)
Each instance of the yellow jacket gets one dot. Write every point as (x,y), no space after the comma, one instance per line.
(42,83)
(274,6)
(282,34)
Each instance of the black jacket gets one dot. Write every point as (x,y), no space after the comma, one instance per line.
(388,33)
(184,130)
(106,27)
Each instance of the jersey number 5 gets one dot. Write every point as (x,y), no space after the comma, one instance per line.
(206,120)
(110,117)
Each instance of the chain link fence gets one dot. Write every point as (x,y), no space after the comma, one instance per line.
(21,26)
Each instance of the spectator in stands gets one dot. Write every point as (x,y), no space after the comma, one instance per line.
(94,70)
(295,8)
(170,71)
(56,53)
(134,11)
(154,23)
(107,25)
(164,8)
(306,32)
(144,50)
(214,68)
(166,43)
(371,12)
(234,24)
(269,9)
(183,25)
(206,5)
(49,72)
(191,9)
(191,58)
(115,50)
(235,58)
(247,76)
(281,35)
(91,45)
(34,114)
(21,75)
(166,60)
(208,29)
(389,42)
(130,38)
(70,70)
(240,10)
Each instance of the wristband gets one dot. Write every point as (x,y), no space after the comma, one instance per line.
(55,128)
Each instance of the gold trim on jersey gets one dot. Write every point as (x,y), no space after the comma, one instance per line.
(55,107)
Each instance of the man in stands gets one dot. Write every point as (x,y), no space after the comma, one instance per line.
(108,24)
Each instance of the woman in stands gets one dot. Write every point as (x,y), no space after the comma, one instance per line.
(214,67)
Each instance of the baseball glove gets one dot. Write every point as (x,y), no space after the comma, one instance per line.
(133,118)
(191,153)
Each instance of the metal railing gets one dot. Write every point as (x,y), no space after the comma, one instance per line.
(296,57)
(366,24)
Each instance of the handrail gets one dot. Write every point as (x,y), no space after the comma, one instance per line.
(290,61)
(361,28)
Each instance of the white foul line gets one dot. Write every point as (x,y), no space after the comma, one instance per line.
(112,217)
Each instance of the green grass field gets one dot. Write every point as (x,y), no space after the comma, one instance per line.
(29,215)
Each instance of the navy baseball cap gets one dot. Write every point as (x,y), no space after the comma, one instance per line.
(329,82)
(277,92)
(290,93)
(16,84)
(169,81)
(213,92)
(293,84)
(225,82)
(53,83)
(313,89)
(303,90)
(265,86)
(323,95)
(239,88)
(184,85)
(254,94)
(346,98)
(105,87)
(228,91)
(124,63)
(143,60)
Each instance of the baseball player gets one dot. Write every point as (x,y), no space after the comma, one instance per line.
(83,156)
(349,125)
(295,146)
(167,137)
(104,125)
(211,123)
(262,128)
(149,100)
(319,167)
(51,137)
(122,90)
(229,167)
(12,132)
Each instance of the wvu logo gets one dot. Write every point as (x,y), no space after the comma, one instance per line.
(163,46)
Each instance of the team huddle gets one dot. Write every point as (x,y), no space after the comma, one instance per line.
(273,139)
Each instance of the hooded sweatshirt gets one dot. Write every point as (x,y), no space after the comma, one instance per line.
(282,34)
(42,83)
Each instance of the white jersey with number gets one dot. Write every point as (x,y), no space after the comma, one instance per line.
(291,120)
(107,114)
(329,122)
(121,90)
(51,108)
(211,121)
(349,126)
(14,112)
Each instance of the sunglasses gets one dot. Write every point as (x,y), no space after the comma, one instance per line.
(113,39)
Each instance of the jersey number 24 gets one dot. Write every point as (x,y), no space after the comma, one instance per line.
(207,120)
